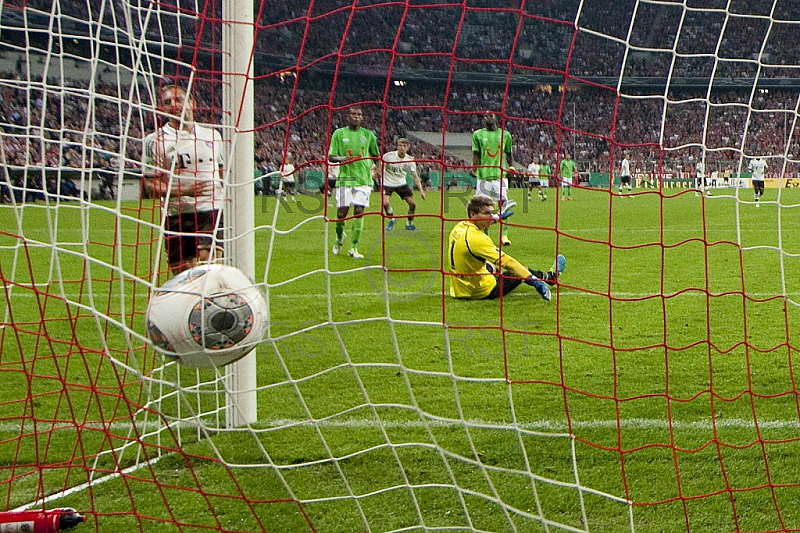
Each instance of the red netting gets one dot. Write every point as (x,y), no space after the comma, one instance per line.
(655,392)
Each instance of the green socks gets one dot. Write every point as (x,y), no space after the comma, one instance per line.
(340,231)
(358,228)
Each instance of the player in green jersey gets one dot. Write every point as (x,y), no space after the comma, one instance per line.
(566,171)
(492,158)
(544,177)
(352,147)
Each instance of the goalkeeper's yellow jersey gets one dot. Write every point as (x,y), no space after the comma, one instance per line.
(468,251)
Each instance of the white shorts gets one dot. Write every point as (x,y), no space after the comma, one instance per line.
(567,181)
(494,189)
(347,196)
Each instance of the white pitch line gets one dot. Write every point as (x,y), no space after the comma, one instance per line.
(151,428)
(24,292)
(521,294)
(560,425)
(84,486)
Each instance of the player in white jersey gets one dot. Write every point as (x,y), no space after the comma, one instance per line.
(329,184)
(534,179)
(758,167)
(183,164)
(287,178)
(625,174)
(394,166)
(700,178)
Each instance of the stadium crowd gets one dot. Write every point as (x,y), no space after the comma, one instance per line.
(543,36)
(66,126)
(540,35)
(69,129)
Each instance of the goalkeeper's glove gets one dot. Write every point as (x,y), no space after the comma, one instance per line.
(502,216)
(541,288)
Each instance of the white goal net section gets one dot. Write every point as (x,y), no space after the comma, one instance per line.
(656,392)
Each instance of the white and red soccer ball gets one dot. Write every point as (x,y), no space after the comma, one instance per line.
(207,316)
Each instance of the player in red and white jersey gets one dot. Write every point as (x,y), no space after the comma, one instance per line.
(395,166)
(287,178)
(183,164)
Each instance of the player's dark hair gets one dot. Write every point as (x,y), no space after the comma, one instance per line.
(478,203)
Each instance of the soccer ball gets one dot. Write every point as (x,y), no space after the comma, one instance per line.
(210,315)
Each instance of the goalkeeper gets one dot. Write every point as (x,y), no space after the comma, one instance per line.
(475,263)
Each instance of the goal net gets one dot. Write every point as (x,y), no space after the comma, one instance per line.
(655,392)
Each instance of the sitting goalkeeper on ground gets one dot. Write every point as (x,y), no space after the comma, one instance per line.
(475,262)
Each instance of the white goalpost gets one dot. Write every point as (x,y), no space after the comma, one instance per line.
(242,406)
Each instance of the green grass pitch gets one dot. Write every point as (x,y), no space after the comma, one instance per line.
(655,392)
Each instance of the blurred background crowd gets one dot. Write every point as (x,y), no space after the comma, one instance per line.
(668,82)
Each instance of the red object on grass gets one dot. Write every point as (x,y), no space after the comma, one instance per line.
(40,521)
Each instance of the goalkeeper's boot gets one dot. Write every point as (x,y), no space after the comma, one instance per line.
(390,225)
(558,267)
(354,254)
(337,247)
(411,227)
(542,289)
(506,240)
